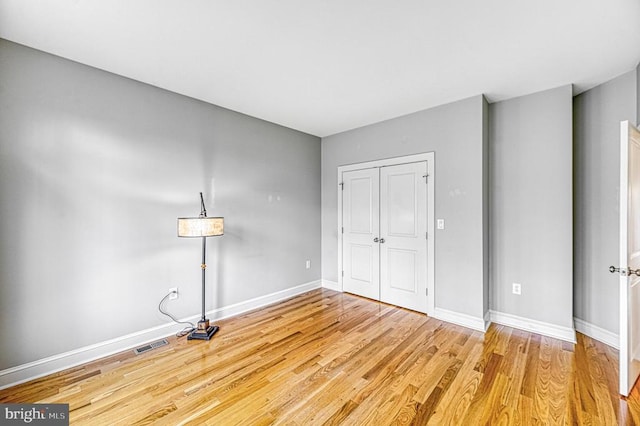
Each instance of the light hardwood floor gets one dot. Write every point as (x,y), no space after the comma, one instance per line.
(331,358)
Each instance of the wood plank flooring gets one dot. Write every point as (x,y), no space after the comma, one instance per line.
(327,358)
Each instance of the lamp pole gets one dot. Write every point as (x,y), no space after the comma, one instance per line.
(204,269)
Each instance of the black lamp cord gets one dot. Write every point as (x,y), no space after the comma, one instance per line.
(185,330)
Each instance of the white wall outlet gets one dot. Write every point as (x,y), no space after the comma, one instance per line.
(517,288)
(308,264)
(440,224)
(173,293)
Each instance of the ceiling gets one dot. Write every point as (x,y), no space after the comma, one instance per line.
(326,66)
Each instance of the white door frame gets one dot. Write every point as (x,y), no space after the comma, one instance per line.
(429,157)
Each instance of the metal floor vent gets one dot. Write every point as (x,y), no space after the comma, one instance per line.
(150,346)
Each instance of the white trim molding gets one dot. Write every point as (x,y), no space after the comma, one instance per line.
(331,285)
(469,321)
(260,301)
(42,367)
(597,333)
(534,326)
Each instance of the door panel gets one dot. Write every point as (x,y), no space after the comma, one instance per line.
(401,205)
(402,265)
(403,242)
(360,219)
(362,267)
(360,204)
(629,256)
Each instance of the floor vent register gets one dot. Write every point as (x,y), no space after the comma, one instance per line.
(150,346)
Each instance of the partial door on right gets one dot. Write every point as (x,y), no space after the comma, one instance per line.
(629,268)
(385,234)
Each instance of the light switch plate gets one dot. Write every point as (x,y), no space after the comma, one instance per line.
(440,224)
(517,288)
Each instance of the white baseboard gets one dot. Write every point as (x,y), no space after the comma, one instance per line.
(546,329)
(331,285)
(600,334)
(258,302)
(42,367)
(469,321)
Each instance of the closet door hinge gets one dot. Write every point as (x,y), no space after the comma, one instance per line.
(426,235)
(343,273)
(426,291)
(343,229)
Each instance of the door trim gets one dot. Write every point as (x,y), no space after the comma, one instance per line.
(429,157)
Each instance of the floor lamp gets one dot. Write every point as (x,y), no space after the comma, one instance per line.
(202,227)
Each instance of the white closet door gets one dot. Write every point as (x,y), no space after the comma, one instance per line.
(360,210)
(403,235)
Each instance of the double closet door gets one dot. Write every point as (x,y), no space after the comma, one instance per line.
(384,235)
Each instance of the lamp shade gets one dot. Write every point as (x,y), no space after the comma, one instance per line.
(200,226)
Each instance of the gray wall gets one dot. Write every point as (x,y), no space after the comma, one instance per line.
(94,171)
(597,116)
(455,133)
(531,206)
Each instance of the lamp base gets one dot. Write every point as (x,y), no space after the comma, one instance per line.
(203,334)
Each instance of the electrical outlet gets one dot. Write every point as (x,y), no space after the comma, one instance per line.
(308,264)
(517,288)
(174,293)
